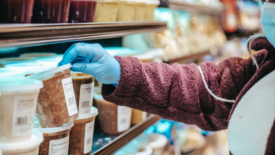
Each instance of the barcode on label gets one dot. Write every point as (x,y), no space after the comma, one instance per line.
(89,141)
(85,104)
(123,121)
(71,101)
(22,120)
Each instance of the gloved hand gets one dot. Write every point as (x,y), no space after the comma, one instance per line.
(94,60)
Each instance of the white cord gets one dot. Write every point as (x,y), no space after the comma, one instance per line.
(249,42)
(210,92)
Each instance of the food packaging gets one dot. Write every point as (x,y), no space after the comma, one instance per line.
(17,108)
(56,140)
(82,133)
(29,68)
(140,10)
(138,116)
(28,147)
(56,103)
(12,60)
(19,11)
(84,89)
(158,143)
(82,11)
(106,11)
(126,10)
(11,73)
(113,119)
(151,5)
(51,11)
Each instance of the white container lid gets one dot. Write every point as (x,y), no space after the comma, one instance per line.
(156,2)
(49,73)
(19,84)
(93,113)
(146,150)
(107,0)
(38,55)
(12,73)
(61,128)
(35,140)
(141,1)
(157,141)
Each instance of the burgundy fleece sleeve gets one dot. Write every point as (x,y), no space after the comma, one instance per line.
(177,92)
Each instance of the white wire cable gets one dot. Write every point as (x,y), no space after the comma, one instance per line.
(249,42)
(210,92)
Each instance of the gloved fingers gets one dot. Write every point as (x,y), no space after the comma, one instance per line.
(65,60)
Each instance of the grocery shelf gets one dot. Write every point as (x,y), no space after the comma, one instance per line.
(183,59)
(194,8)
(41,34)
(117,142)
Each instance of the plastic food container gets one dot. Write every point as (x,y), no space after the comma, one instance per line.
(29,68)
(11,73)
(56,101)
(126,10)
(113,119)
(106,11)
(84,89)
(138,116)
(51,11)
(82,133)
(56,140)
(151,5)
(140,10)
(13,60)
(82,11)
(16,11)
(28,147)
(158,143)
(17,108)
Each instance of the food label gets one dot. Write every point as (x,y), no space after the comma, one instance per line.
(59,147)
(23,115)
(69,95)
(89,133)
(144,115)
(123,118)
(86,98)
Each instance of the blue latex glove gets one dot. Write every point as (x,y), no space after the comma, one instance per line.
(94,60)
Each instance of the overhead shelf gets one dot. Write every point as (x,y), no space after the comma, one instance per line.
(117,142)
(194,8)
(41,34)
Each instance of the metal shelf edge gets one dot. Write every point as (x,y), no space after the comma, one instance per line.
(127,136)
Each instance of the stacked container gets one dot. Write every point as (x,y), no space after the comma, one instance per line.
(106,11)
(126,10)
(82,11)
(140,10)
(151,5)
(18,98)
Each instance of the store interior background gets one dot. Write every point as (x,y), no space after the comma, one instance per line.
(193,36)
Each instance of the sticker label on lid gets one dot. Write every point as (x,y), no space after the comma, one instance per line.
(89,133)
(59,146)
(86,98)
(23,115)
(123,118)
(69,95)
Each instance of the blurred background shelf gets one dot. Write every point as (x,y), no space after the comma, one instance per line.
(41,34)
(191,57)
(104,144)
(194,8)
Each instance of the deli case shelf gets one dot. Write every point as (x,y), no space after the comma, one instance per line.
(41,34)
(104,144)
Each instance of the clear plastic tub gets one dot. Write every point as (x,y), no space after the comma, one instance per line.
(56,101)
(151,5)
(84,90)
(13,60)
(140,10)
(113,119)
(28,147)
(12,73)
(126,10)
(82,133)
(82,11)
(106,11)
(56,140)
(51,11)
(17,108)
(138,116)
(16,11)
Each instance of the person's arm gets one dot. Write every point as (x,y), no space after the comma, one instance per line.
(177,92)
